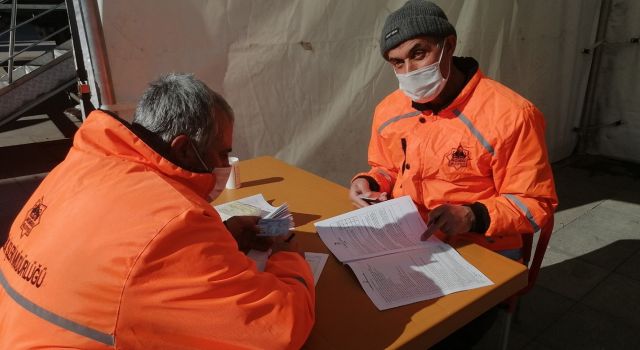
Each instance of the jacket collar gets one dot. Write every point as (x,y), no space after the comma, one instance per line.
(107,135)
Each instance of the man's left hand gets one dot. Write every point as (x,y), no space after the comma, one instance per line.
(450,220)
(244,229)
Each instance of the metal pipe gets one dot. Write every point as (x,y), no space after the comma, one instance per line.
(97,51)
(84,98)
(585,132)
(12,38)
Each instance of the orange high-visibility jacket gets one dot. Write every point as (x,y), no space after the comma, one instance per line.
(118,249)
(487,146)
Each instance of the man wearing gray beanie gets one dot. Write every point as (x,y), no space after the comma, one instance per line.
(469,151)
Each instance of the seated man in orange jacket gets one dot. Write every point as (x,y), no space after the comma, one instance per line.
(469,151)
(120,248)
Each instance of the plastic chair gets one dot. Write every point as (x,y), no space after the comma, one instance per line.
(534,269)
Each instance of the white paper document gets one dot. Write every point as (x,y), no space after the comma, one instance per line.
(388,227)
(421,274)
(381,243)
(259,257)
(316,261)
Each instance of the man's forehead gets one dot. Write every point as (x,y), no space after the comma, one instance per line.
(424,40)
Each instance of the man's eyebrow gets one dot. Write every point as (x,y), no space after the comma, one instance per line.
(392,58)
(416,46)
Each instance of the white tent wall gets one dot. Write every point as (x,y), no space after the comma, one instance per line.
(305,76)
(617,89)
(534,47)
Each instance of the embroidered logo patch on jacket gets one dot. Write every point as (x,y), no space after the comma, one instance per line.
(33,218)
(458,157)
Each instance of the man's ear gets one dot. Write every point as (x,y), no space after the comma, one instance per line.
(181,151)
(452,40)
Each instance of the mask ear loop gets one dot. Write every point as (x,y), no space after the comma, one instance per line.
(431,65)
(444,43)
(199,158)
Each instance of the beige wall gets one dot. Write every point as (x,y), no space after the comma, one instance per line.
(304,76)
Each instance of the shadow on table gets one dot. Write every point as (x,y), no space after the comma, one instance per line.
(301,219)
(259,182)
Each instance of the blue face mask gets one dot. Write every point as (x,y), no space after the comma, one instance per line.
(424,84)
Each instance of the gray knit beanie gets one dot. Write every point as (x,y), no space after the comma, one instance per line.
(414,18)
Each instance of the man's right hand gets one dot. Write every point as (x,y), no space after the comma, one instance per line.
(360,188)
(245,229)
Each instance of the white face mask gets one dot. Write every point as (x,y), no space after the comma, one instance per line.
(221,174)
(424,84)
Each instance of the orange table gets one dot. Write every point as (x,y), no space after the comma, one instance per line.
(345,316)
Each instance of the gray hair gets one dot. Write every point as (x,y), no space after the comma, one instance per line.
(177,104)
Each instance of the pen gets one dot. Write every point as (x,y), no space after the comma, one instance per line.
(290,237)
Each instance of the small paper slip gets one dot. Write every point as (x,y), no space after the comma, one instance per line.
(273,227)
(315,260)
(254,205)
(259,257)
(381,243)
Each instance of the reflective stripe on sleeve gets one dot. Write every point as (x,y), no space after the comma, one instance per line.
(475,131)
(395,119)
(384,173)
(57,320)
(525,210)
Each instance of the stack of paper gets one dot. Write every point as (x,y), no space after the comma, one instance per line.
(381,243)
(276,221)
(278,212)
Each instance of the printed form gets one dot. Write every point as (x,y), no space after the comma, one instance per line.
(381,243)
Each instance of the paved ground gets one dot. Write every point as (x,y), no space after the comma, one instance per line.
(588,293)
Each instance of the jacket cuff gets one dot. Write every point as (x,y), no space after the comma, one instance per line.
(482,218)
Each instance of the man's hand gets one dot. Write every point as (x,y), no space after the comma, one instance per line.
(244,229)
(450,220)
(360,188)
